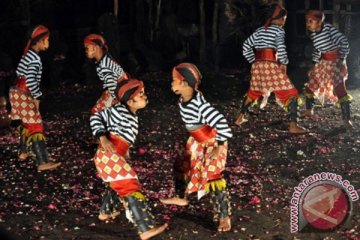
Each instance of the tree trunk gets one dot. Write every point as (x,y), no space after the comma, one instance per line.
(25,12)
(158,14)
(215,33)
(151,20)
(202,32)
(116,7)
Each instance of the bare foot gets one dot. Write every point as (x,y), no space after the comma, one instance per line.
(224,224)
(24,155)
(48,166)
(153,232)
(294,128)
(241,119)
(104,217)
(175,201)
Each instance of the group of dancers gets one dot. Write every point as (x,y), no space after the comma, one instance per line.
(114,120)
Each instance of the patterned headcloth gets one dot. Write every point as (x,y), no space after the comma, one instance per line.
(127,89)
(277,12)
(187,72)
(38,33)
(315,15)
(96,40)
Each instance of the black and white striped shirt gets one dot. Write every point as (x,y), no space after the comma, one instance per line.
(273,37)
(329,39)
(116,119)
(199,112)
(30,67)
(109,72)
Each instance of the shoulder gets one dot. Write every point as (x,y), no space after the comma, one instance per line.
(32,58)
(277,29)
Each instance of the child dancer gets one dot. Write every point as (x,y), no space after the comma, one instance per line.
(109,72)
(206,149)
(116,128)
(268,69)
(25,100)
(327,77)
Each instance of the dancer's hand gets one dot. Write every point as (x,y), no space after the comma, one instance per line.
(37,104)
(107,144)
(127,154)
(340,64)
(283,68)
(215,153)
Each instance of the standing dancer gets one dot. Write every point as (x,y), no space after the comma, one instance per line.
(116,128)
(25,100)
(268,69)
(327,77)
(206,149)
(110,73)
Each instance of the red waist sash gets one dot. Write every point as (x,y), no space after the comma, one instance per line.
(267,54)
(331,56)
(203,133)
(121,146)
(20,83)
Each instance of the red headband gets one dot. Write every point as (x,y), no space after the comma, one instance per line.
(39,31)
(95,40)
(125,86)
(315,15)
(279,12)
(187,72)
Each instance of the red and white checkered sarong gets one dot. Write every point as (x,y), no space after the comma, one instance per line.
(112,166)
(324,77)
(267,77)
(198,169)
(23,107)
(105,101)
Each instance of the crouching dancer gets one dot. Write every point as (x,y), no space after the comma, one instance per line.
(116,128)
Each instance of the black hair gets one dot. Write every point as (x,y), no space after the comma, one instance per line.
(188,75)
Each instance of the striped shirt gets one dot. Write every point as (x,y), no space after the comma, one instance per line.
(273,37)
(199,112)
(109,72)
(116,119)
(30,67)
(329,39)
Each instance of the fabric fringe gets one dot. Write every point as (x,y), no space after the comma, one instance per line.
(299,100)
(138,195)
(219,185)
(35,137)
(346,98)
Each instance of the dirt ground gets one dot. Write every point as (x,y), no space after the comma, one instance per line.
(264,164)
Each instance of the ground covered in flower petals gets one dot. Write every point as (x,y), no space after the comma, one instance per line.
(264,164)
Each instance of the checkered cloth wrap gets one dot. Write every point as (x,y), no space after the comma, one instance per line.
(267,77)
(23,107)
(198,169)
(105,101)
(324,77)
(112,166)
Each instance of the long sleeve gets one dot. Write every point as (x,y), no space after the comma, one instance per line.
(316,55)
(30,67)
(98,123)
(247,48)
(341,41)
(117,120)
(32,82)
(281,48)
(215,120)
